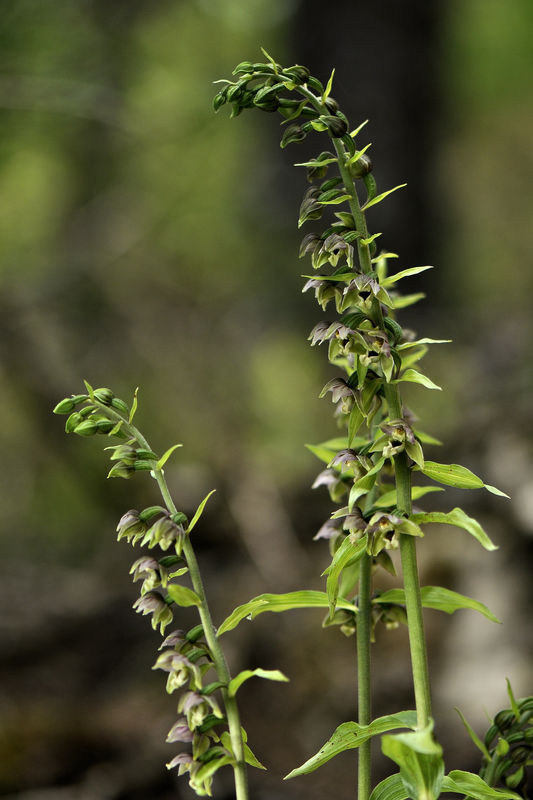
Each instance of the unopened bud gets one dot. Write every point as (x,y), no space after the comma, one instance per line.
(104,396)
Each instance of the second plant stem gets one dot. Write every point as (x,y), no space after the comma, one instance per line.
(217,654)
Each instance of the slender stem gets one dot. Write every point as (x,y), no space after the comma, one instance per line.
(413,601)
(217,654)
(364,694)
(219,660)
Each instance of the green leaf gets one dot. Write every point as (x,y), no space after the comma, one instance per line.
(199,510)
(420,760)
(335,201)
(425,438)
(279,602)
(391,279)
(133,405)
(458,518)
(392,788)
(316,163)
(251,759)
(405,300)
(466,783)
(269,674)
(512,700)
(356,420)
(166,455)
(329,84)
(183,596)
(413,376)
(440,599)
(209,769)
(458,476)
(350,735)
(419,342)
(389,499)
(381,197)
(90,390)
(346,554)
(359,128)
(473,735)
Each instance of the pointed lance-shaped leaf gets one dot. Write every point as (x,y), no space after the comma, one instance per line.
(458,476)
(277,603)
(166,455)
(351,735)
(474,787)
(439,599)
(392,788)
(183,596)
(381,196)
(347,553)
(458,518)
(404,273)
(199,511)
(413,376)
(269,674)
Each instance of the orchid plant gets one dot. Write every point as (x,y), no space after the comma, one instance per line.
(370,471)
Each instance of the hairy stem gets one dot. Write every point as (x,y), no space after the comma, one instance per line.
(230,703)
(219,660)
(364,694)
(413,601)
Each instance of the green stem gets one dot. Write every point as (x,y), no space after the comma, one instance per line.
(219,660)
(364,694)
(413,601)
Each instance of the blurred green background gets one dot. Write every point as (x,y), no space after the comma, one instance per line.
(146,242)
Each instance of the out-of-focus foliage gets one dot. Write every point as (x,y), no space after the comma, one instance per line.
(130,225)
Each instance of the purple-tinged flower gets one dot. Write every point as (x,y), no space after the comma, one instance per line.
(180,670)
(131,526)
(344,459)
(154,604)
(339,390)
(197,707)
(183,761)
(180,732)
(329,530)
(151,572)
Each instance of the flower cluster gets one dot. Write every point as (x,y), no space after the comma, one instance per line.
(508,746)
(186,656)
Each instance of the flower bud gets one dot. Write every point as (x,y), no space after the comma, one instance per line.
(297,74)
(293,133)
(331,105)
(121,470)
(86,428)
(69,404)
(104,396)
(362,167)
(336,126)
(120,405)
(73,421)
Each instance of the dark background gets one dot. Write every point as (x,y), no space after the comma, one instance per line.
(145,241)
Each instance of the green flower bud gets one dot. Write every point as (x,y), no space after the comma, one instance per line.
(331,104)
(297,74)
(121,470)
(73,421)
(69,404)
(362,167)
(120,405)
(293,133)
(336,125)
(244,66)
(131,526)
(219,100)
(86,428)
(104,396)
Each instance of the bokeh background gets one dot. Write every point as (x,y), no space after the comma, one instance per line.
(146,242)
